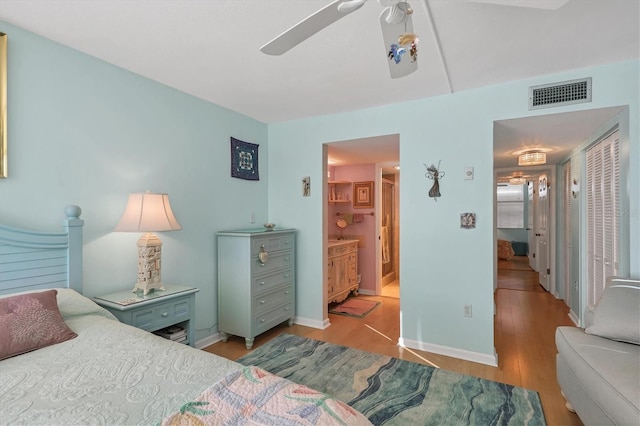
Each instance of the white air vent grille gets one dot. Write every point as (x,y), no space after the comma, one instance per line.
(557,94)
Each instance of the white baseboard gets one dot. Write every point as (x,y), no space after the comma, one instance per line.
(215,338)
(312,323)
(208,341)
(574,318)
(481,358)
(367,292)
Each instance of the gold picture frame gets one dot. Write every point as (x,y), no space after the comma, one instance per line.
(363,195)
(3,105)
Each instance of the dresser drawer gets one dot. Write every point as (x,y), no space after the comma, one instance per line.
(272,299)
(267,320)
(268,282)
(276,242)
(274,262)
(157,317)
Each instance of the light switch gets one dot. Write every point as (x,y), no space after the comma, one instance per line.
(468,173)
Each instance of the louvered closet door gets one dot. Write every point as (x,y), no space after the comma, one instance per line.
(603,229)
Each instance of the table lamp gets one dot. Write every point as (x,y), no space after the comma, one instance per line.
(149,213)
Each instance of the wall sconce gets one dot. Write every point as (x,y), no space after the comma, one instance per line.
(148,213)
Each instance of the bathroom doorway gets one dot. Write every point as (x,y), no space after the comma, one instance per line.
(358,161)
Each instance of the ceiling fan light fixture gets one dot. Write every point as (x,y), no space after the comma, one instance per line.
(532,158)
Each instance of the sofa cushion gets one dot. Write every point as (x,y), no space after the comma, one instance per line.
(617,314)
(609,371)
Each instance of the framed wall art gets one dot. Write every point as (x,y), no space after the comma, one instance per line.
(363,195)
(244,160)
(467,220)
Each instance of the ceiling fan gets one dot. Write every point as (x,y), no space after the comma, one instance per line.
(397,28)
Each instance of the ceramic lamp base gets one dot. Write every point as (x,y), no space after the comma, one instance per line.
(149,260)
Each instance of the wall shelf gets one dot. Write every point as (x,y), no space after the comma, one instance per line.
(338,191)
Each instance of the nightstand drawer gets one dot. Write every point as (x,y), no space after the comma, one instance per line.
(159,309)
(270,300)
(269,319)
(159,316)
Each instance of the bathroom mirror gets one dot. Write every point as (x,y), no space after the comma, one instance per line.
(341,224)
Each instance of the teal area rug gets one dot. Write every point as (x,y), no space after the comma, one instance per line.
(396,392)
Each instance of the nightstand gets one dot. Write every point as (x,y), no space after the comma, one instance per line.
(158,309)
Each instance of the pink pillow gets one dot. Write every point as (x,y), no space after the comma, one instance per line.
(31,321)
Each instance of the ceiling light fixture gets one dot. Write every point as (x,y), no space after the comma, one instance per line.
(532,158)
(517,181)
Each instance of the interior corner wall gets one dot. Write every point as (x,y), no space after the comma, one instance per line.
(443,267)
(82,131)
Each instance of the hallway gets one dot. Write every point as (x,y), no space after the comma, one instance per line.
(524,324)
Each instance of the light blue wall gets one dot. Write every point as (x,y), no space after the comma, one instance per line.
(84,132)
(443,267)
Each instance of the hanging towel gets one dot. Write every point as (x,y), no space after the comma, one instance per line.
(348,217)
(358,217)
(384,236)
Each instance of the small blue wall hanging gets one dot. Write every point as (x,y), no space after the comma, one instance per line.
(244,160)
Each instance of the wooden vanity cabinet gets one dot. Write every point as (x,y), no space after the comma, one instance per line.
(342,276)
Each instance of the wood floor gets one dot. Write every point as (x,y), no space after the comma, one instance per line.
(525,326)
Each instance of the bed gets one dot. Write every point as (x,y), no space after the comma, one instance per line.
(104,372)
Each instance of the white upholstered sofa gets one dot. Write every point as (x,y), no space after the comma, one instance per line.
(598,367)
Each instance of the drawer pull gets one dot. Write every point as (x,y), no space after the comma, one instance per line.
(286,292)
(165,314)
(263,255)
(262,320)
(262,302)
(286,275)
(261,282)
(286,309)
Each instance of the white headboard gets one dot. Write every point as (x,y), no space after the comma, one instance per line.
(32,260)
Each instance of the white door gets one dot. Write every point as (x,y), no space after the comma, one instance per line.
(543,233)
(531,232)
(603,209)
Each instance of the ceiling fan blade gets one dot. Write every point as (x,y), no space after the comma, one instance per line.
(535,4)
(311,25)
(390,34)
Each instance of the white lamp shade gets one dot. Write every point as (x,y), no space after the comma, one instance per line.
(148,212)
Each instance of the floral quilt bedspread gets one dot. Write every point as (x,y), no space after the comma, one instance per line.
(252,396)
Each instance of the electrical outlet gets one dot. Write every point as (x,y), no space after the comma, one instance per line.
(467,311)
(252,217)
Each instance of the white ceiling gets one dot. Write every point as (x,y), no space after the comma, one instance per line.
(210,48)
